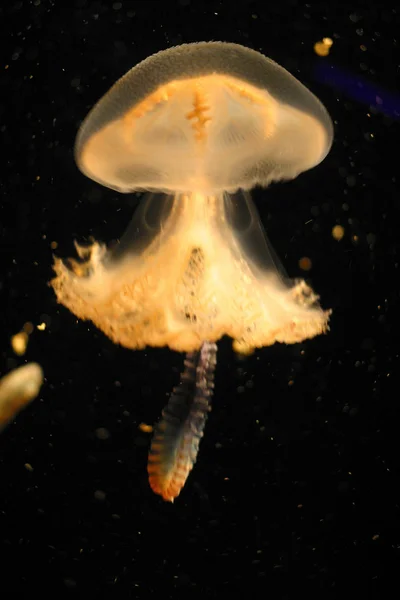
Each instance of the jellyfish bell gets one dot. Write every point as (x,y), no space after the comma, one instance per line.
(206,117)
(196,126)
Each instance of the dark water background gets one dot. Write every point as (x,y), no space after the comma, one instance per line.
(296,489)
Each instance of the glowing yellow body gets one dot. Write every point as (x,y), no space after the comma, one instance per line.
(193,282)
(199,125)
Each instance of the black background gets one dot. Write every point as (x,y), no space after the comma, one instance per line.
(297,484)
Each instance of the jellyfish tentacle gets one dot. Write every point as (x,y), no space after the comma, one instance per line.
(177,435)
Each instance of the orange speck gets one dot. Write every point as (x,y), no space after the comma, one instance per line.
(338,232)
(323,47)
(145,428)
(305,263)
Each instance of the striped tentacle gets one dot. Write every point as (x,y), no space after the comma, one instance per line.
(177,436)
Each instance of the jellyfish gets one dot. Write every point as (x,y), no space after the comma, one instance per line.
(195,128)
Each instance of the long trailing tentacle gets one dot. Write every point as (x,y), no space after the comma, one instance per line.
(177,435)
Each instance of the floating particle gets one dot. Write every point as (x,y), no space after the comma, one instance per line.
(145,428)
(17,390)
(338,232)
(19,343)
(28,328)
(41,327)
(323,47)
(305,263)
(102,433)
